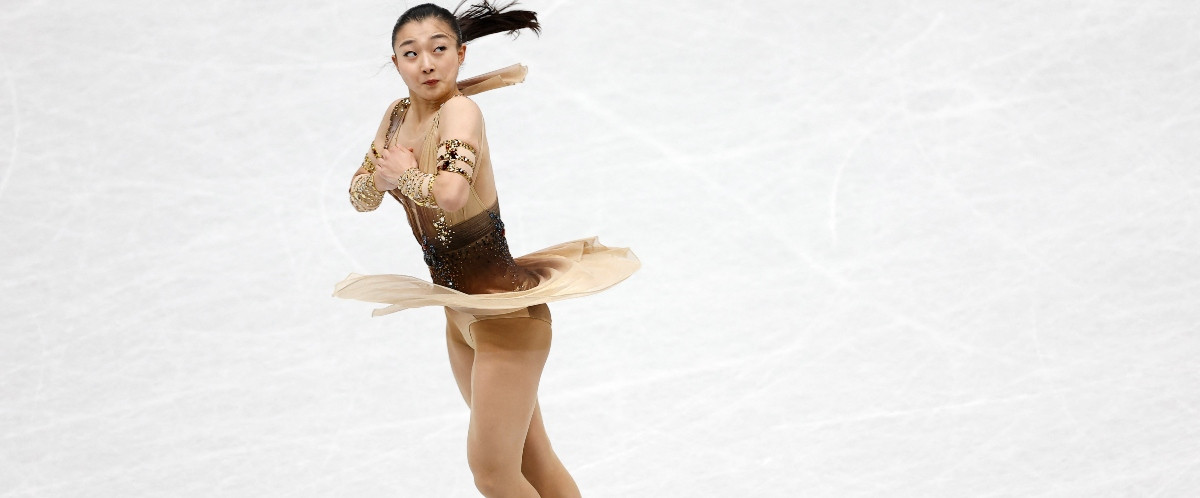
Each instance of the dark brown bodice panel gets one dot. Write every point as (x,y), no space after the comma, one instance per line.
(471,256)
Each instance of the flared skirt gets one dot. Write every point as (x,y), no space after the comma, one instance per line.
(568,270)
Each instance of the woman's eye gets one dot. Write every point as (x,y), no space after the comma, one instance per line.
(440,48)
(406,54)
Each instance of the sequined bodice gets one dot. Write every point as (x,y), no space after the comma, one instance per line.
(474,257)
(465,250)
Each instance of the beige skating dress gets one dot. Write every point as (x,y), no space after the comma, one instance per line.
(467,252)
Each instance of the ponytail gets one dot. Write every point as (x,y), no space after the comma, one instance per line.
(477,21)
(484,19)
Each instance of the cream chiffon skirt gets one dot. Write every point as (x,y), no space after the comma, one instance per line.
(571,269)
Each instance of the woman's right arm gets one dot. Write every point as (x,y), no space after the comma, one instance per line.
(363,192)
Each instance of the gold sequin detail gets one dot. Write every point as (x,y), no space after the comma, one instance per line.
(445,161)
(363,194)
(482,263)
(440,226)
(401,108)
(418,186)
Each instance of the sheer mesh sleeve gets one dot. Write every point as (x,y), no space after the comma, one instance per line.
(481,184)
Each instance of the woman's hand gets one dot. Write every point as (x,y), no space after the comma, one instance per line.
(393,163)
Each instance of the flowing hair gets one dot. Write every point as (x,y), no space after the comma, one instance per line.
(477,21)
(483,19)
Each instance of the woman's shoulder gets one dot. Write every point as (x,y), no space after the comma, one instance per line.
(393,110)
(397,106)
(461,118)
(461,107)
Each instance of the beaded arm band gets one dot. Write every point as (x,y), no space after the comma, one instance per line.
(418,186)
(364,195)
(454,152)
(414,184)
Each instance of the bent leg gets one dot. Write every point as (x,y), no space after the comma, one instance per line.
(509,356)
(541,465)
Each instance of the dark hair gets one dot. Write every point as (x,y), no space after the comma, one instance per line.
(477,21)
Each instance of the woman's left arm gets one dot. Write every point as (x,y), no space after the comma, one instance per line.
(461,130)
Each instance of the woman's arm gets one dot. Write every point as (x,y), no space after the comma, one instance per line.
(361,196)
(380,133)
(461,120)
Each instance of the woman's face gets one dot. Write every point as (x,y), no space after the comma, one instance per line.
(427,56)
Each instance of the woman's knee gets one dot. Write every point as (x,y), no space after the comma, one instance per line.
(492,484)
(493,473)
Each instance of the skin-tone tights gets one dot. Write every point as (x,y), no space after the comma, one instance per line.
(508,449)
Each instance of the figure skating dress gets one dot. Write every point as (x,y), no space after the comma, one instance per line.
(473,274)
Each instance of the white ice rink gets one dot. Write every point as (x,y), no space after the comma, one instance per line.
(890,249)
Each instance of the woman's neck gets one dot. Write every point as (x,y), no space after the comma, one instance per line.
(421,109)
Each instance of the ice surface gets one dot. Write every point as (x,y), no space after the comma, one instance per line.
(923,248)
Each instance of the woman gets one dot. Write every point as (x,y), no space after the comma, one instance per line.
(431,154)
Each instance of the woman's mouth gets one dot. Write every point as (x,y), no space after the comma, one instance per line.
(431,82)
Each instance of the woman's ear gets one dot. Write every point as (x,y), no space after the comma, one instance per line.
(462,53)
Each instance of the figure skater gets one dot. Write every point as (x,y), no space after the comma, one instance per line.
(431,154)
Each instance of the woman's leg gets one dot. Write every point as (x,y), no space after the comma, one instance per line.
(461,358)
(539,464)
(509,356)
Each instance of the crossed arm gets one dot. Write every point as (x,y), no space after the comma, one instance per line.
(460,130)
